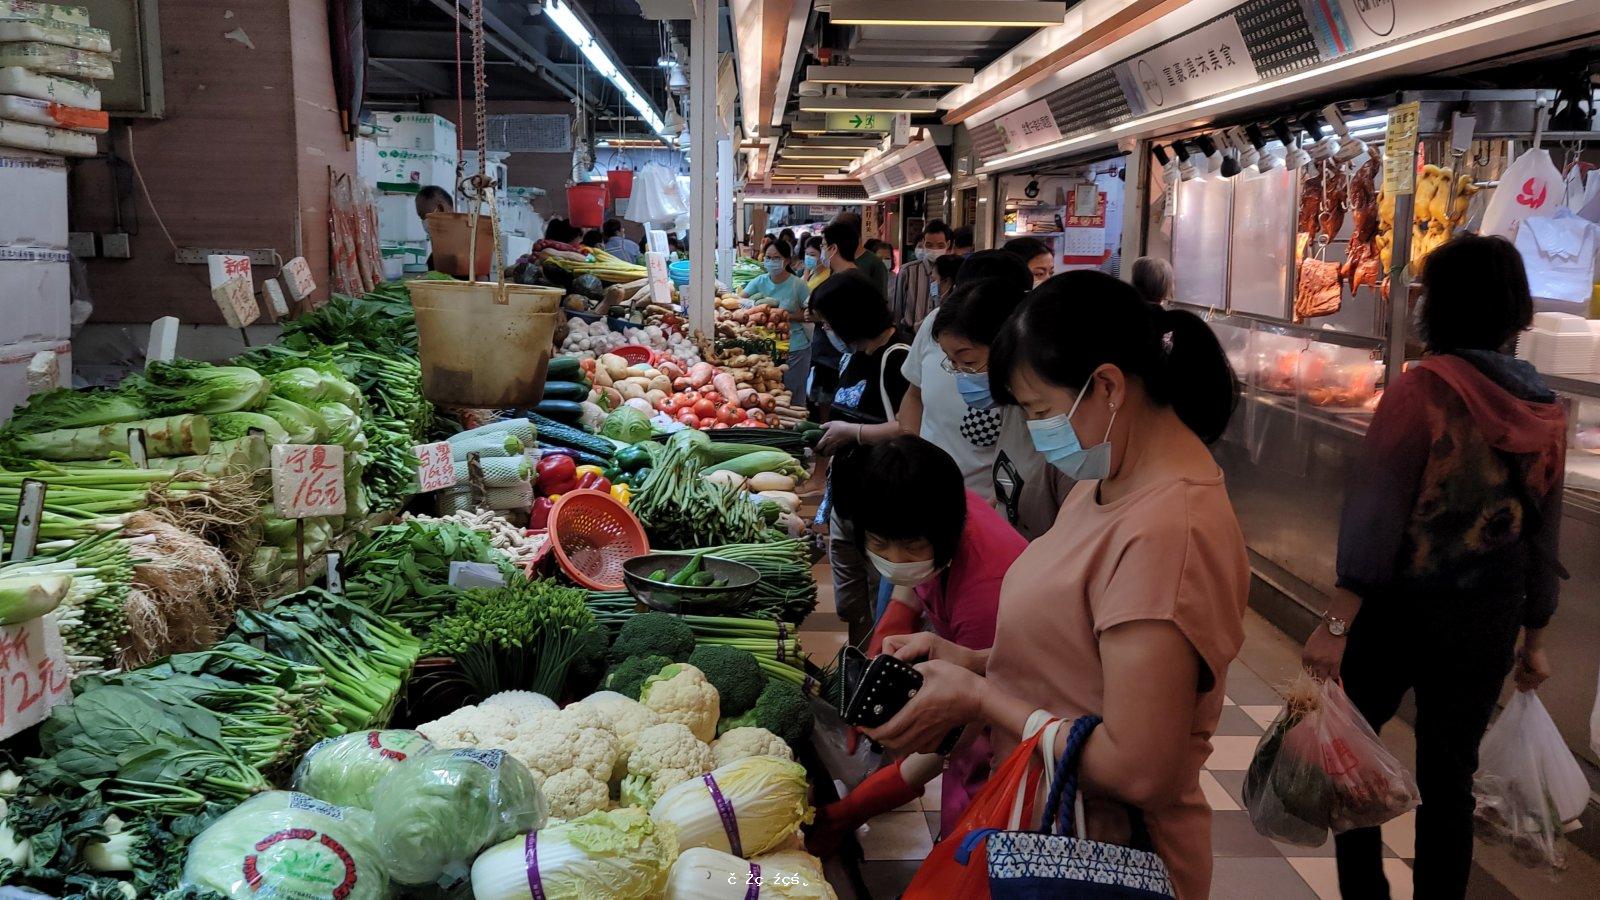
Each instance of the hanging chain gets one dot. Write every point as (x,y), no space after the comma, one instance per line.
(480,87)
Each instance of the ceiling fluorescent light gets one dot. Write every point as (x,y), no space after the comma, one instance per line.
(789,165)
(868,104)
(948,13)
(909,75)
(578,33)
(798,153)
(836,143)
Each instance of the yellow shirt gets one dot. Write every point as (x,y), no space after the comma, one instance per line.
(820,276)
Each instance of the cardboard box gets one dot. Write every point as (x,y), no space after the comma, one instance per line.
(415,131)
(35,294)
(402,170)
(34,186)
(397,219)
(14,377)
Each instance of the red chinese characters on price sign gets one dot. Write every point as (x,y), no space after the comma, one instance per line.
(33,674)
(234,289)
(308,480)
(436,470)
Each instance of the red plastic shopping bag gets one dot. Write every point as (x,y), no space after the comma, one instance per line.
(1006,801)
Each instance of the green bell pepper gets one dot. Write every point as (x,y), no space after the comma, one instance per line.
(630,459)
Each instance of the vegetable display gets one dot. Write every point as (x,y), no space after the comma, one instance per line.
(437,810)
(767,797)
(525,635)
(681,510)
(622,854)
(401,571)
(345,770)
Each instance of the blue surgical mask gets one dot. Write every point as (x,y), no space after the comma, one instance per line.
(1055,438)
(974,389)
(838,345)
(921,254)
(774,266)
(811,262)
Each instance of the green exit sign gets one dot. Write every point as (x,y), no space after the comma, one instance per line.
(859,121)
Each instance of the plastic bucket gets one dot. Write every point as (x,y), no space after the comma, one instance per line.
(619,185)
(484,345)
(586,204)
(451,235)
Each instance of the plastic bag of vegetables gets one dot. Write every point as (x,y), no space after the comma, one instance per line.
(345,770)
(746,807)
(437,810)
(705,874)
(284,844)
(621,855)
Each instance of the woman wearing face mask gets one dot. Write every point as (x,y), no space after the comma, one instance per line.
(1131,607)
(946,552)
(812,265)
(776,287)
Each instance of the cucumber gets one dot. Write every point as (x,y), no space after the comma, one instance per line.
(568,411)
(566,390)
(551,431)
(565,368)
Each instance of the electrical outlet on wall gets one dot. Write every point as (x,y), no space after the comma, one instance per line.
(82,245)
(116,246)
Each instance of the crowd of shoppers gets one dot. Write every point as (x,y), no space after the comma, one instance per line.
(1021,461)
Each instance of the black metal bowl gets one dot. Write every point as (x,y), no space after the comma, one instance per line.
(679,598)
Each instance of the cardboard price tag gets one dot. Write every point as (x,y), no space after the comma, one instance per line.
(308,480)
(233,289)
(297,276)
(660,281)
(436,470)
(34,675)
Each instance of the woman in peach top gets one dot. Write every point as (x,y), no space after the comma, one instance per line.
(1131,606)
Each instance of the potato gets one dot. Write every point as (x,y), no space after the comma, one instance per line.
(660,383)
(631,390)
(615,365)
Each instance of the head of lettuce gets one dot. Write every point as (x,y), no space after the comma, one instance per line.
(619,854)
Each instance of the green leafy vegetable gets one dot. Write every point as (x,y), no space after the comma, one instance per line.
(283,844)
(628,425)
(345,770)
(524,636)
(188,386)
(620,854)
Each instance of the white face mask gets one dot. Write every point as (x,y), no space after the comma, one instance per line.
(909,574)
(930,255)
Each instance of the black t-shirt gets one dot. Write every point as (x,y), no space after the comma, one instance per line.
(859,397)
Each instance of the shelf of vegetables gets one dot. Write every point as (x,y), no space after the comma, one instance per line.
(213,722)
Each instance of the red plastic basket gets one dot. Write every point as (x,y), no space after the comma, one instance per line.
(635,354)
(593,535)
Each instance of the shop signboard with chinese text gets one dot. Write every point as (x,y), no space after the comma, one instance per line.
(1207,61)
(1346,26)
(1031,126)
(233,289)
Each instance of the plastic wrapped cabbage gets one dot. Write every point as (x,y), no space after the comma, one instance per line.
(706,874)
(620,855)
(437,810)
(285,844)
(345,770)
(746,807)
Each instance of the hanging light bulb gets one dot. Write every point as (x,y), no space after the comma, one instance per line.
(1208,152)
(1352,151)
(1266,160)
(1321,146)
(1294,157)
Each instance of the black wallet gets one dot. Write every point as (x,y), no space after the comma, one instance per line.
(871,692)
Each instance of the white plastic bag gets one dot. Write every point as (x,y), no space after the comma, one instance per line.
(1528,784)
(1532,186)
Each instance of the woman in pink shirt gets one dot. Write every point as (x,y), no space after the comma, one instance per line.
(946,551)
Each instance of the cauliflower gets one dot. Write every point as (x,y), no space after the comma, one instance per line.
(625,717)
(748,741)
(574,792)
(666,755)
(552,742)
(519,703)
(681,693)
(474,726)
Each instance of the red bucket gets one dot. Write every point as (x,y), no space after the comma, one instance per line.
(619,185)
(586,204)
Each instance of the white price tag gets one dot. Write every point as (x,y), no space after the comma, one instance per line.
(436,470)
(308,480)
(660,282)
(33,674)
(234,290)
(297,275)
(163,340)
(274,295)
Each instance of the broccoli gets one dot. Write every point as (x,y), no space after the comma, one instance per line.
(590,662)
(781,709)
(628,677)
(733,672)
(654,634)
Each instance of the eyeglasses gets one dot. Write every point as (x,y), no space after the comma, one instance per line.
(957,369)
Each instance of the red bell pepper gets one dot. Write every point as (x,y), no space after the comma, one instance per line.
(557,475)
(539,515)
(593,482)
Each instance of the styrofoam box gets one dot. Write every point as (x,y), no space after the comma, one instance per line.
(397,219)
(367,165)
(35,294)
(34,186)
(396,256)
(416,169)
(14,361)
(416,131)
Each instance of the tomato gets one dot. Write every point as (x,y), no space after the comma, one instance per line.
(713,396)
(724,416)
(737,413)
(687,417)
(704,408)
(667,406)
(720,425)
(688,398)
(707,424)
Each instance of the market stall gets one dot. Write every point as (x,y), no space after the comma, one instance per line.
(1304,272)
